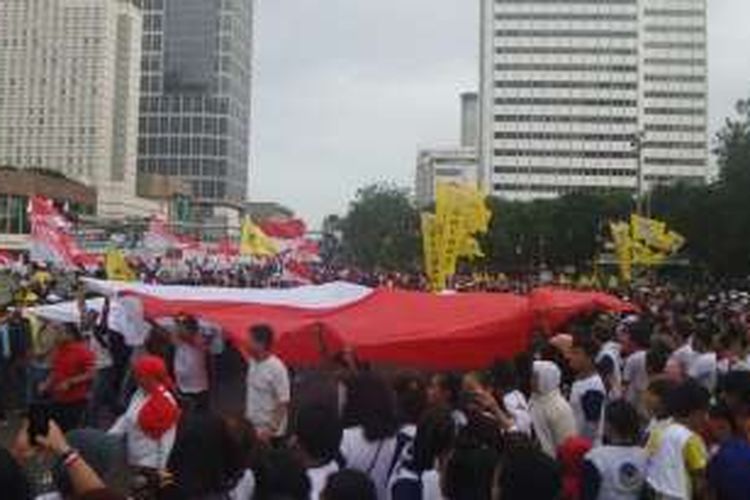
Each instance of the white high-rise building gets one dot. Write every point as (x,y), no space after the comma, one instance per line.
(69,87)
(579,94)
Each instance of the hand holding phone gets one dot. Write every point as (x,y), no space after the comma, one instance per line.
(39,416)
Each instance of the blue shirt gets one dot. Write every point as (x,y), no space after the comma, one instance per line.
(729,471)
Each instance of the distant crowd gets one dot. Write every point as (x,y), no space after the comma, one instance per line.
(654,405)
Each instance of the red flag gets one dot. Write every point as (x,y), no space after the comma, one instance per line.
(51,240)
(286,228)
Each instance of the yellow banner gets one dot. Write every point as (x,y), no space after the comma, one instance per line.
(460,214)
(623,249)
(117,267)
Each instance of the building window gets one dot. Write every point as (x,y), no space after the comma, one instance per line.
(14,218)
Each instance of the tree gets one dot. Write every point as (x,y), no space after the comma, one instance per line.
(382,230)
(559,232)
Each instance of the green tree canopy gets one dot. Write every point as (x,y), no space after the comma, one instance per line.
(382,230)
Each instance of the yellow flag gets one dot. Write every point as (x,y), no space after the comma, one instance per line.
(623,249)
(460,214)
(117,267)
(254,242)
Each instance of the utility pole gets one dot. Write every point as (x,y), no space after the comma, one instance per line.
(637,144)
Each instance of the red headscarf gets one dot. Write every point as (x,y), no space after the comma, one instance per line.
(571,455)
(160,412)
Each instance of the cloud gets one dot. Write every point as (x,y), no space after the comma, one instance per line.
(345,91)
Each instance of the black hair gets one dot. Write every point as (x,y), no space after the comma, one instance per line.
(189,323)
(640,333)
(348,484)
(587,345)
(721,411)
(623,418)
(703,338)
(13,482)
(737,385)
(280,474)
(663,388)
(72,330)
(503,376)
(469,473)
(529,474)
(205,458)
(319,432)
(656,359)
(411,397)
(688,397)
(451,383)
(262,334)
(436,434)
(372,404)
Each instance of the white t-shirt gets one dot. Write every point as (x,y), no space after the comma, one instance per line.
(635,376)
(684,356)
(581,392)
(245,488)
(142,450)
(190,368)
(515,403)
(704,370)
(612,350)
(372,458)
(318,477)
(267,387)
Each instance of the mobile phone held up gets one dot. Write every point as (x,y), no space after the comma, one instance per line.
(39,415)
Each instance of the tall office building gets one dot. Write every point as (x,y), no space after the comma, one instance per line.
(579,94)
(69,76)
(195,103)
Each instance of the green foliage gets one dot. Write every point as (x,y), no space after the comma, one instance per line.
(559,232)
(382,230)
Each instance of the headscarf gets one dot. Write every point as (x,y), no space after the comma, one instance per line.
(571,455)
(160,412)
(548,377)
(153,368)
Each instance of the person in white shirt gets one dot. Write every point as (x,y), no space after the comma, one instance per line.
(150,422)
(317,439)
(617,470)
(609,362)
(513,401)
(268,388)
(95,332)
(551,415)
(704,367)
(635,373)
(587,394)
(370,445)
(191,364)
(416,476)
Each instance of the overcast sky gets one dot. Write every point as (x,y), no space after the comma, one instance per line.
(346,91)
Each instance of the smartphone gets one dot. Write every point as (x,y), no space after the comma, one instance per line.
(39,415)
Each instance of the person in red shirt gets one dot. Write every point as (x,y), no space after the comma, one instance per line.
(72,367)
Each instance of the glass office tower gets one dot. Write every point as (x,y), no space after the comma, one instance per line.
(195,94)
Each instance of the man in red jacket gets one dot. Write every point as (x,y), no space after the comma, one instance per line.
(71,374)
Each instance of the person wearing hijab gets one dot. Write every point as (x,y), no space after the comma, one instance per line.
(551,415)
(150,422)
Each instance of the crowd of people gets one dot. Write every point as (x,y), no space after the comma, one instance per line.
(653,405)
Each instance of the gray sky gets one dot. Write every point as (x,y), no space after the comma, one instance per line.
(345,91)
